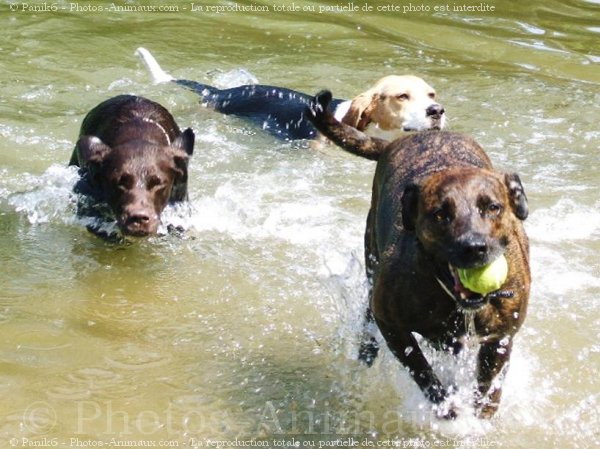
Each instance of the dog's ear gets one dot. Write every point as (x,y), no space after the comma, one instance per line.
(180,159)
(360,111)
(91,151)
(410,205)
(179,168)
(185,141)
(517,196)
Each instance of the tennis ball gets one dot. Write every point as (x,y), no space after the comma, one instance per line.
(485,279)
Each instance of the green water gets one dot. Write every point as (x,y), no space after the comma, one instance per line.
(246,326)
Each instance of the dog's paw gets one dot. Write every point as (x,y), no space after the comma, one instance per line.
(485,409)
(436,393)
(487,412)
(447,410)
(178,231)
(367,353)
(320,103)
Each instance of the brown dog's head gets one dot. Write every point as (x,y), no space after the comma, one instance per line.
(464,218)
(137,178)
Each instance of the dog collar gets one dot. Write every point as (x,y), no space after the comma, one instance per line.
(498,294)
(445,288)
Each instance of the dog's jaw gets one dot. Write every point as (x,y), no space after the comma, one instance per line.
(464,298)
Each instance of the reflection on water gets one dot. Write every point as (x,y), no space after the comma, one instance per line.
(246,326)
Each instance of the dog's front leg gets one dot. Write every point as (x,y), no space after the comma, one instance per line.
(405,347)
(492,364)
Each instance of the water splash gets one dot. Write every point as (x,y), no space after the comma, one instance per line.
(48,197)
(565,221)
(470,325)
(234,78)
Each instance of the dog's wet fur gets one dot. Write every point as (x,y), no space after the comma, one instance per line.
(277,110)
(133,161)
(438,205)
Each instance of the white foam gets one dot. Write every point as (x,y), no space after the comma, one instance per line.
(550,229)
(564,221)
(48,196)
(526,391)
(234,78)
(554,276)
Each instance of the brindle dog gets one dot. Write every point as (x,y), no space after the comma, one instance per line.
(438,205)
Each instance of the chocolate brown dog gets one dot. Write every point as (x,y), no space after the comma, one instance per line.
(133,158)
(438,205)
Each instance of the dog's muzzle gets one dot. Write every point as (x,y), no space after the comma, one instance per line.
(437,114)
(465,298)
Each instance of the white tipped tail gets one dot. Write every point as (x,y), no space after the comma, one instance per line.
(158,74)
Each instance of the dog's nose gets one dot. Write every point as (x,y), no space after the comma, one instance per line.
(138,223)
(435,111)
(138,218)
(472,250)
(476,249)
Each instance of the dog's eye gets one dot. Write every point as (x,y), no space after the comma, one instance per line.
(154,182)
(402,97)
(125,182)
(432,95)
(495,208)
(492,209)
(441,216)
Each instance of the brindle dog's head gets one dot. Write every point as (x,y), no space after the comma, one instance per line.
(463,218)
(137,178)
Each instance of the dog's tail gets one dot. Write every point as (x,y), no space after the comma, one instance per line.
(344,136)
(159,76)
